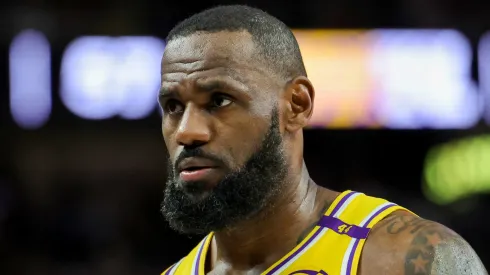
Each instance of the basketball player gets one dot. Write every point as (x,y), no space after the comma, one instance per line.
(235,98)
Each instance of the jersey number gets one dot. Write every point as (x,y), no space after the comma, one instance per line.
(344,228)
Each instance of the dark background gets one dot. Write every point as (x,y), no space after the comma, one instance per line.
(82,196)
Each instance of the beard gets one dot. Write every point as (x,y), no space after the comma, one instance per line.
(239,196)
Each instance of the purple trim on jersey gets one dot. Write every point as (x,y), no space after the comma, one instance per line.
(341,227)
(354,248)
(296,252)
(309,272)
(351,257)
(174,267)
(198,260)
(170,269)
(337,207)
(341,202)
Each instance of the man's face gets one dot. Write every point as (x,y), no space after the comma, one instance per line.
(221,126)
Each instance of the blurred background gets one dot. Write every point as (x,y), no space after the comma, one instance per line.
(402,111)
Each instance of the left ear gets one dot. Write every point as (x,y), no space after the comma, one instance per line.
(300,96)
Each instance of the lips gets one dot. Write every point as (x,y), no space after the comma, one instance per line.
(197,170)
(194,164)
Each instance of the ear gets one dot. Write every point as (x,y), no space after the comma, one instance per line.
(300,96)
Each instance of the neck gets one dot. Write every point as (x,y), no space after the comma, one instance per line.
(261,241)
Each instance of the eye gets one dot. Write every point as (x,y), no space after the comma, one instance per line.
(220,101)
(172,106)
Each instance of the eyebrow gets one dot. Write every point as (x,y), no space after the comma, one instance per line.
(227,83)
(209,85)
(166,92)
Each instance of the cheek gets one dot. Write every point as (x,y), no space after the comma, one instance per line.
(242,140)
(167,133)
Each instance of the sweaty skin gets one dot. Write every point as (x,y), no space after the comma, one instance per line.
(405,244)
(193,67)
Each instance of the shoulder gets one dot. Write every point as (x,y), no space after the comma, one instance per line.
(403,243)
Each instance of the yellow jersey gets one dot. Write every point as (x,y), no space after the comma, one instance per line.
(333,247)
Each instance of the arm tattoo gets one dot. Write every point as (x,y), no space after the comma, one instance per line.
(397,224)
(310,227)
(435,250)
(420,256)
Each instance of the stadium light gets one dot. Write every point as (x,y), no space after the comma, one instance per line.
(103,77)
(30,79)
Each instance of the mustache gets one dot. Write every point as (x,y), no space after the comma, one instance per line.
(197,152)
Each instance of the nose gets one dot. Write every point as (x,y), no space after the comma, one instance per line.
(194,128)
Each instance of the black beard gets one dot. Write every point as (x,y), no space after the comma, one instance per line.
(239,196)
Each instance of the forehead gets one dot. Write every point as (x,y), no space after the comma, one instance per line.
(202,50)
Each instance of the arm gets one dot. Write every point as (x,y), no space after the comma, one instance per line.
(404,244)
(437,250)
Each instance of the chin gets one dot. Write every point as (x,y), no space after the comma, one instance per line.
(196,197)
(197,187)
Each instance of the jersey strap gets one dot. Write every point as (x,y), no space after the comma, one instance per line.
(335,209)
(354,253)
(200,258)
(356,222)
(340,227)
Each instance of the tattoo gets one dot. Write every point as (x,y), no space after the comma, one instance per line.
(308,229)
(397,224)
(420,255)
(434,249)
(437,250)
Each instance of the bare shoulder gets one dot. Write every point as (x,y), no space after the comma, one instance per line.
(404,244)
